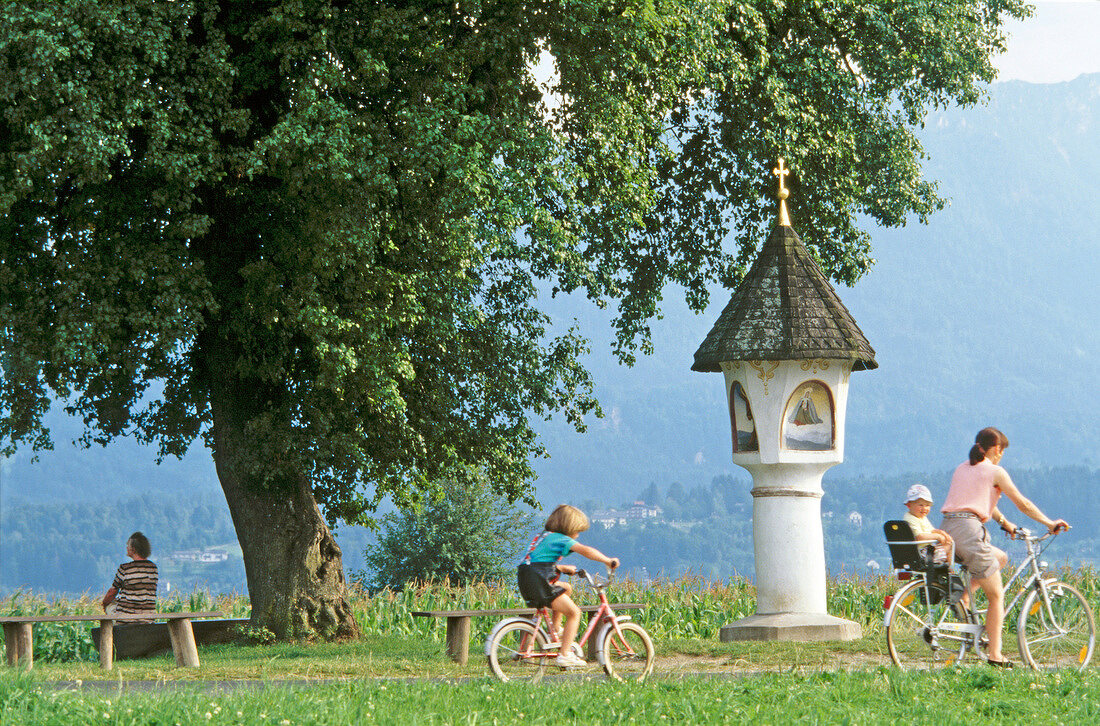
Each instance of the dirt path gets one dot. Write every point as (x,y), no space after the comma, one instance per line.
(667,667)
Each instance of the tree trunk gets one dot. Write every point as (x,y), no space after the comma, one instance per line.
(294,567)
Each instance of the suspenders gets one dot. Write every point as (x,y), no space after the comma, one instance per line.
(534,543)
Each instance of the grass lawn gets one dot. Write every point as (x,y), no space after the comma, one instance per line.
(397,680)
(875,696)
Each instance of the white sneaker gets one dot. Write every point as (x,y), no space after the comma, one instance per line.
(569,660)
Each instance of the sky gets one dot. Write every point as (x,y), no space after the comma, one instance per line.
(1058,43)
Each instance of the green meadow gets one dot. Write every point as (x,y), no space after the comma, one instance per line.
(398,671)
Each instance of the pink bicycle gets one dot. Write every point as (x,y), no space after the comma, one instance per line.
(520,648)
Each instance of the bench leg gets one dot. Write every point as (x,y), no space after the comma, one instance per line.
(458,639)
(19,644)
(182,636)
(106,644)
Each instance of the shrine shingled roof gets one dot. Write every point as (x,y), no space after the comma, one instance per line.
(784,309)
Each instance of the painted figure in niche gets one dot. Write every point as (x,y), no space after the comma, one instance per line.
(744,426)
(805,413)
(808,419)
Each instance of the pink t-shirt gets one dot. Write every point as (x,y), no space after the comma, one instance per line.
(972,489)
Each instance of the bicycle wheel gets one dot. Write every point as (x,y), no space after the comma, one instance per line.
(516,653)
(626,657)
(915,632)
(1062,636)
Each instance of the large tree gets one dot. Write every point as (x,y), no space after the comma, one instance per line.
(313,233)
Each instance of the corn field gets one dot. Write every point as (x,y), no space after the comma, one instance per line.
(684,608)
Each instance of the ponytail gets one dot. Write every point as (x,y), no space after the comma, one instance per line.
(986,439)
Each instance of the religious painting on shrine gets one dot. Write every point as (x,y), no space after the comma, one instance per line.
(808,419)
(741,421)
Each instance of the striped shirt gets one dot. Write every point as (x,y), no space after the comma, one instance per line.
(136,585)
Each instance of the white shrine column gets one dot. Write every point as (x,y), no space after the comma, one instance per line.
(787,346)
(788,541)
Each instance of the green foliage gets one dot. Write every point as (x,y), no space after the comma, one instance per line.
(56,642)
(471,534)
(337,215)
(256,635)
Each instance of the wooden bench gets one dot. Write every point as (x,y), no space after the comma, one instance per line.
(458,626)
(19,640)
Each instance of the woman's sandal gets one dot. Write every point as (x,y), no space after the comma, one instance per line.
(1001,663)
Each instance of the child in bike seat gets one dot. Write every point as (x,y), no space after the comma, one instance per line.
(918,500)
(538,574)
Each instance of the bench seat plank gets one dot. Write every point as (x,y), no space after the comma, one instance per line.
(19,640)
(116,617)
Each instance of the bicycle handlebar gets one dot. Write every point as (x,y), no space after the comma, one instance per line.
(594,580)
(1025,533)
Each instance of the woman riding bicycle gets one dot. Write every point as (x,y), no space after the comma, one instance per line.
(971,501)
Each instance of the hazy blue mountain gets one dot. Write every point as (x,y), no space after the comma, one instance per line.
(982,317)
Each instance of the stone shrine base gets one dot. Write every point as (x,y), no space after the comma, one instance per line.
(797,627)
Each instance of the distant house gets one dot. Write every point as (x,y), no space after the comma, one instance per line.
(637,512)
(608,518)
(206,556)
(640,510)
(855,519)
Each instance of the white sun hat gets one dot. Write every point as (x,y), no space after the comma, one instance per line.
(918,491)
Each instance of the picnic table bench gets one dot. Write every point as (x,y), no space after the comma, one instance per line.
(19,638)
(458,625)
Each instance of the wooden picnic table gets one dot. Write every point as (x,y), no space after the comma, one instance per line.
(19,637)
(458,625)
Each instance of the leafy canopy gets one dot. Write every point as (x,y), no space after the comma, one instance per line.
(351,207)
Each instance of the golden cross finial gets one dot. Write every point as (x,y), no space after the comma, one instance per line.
(781,172)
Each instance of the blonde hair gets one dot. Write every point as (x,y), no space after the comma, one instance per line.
(567,520)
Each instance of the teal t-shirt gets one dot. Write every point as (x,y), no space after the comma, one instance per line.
(552,547)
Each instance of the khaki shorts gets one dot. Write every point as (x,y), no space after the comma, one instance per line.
(972,546)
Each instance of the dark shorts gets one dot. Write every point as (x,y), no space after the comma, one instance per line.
(535,586)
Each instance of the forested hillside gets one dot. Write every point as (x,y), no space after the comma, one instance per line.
(702,530)
(74,547)
(708,530)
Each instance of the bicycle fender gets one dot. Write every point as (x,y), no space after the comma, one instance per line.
(603,631)
(501,624)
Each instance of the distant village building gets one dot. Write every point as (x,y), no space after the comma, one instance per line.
(205,556)
(639,511)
